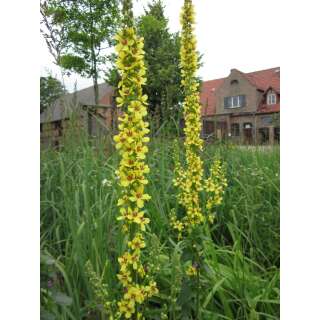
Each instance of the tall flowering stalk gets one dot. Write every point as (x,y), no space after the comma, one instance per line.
(189,181)
(131,143)
(190,178)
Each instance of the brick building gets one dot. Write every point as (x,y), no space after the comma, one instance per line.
(244,107)
(95,119)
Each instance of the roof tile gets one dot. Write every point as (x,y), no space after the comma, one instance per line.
(262,80)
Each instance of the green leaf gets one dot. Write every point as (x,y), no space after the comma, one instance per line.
(46,259)
(62,299)
(212,292)
(45,315)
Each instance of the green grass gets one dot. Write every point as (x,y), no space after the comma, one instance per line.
(241,258)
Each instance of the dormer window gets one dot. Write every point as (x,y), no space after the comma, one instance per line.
(271,98)
(234,82)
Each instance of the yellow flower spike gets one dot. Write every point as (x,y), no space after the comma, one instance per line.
(190,179)
(131,144)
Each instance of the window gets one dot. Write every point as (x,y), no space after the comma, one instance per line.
(58,126)
(235,101)
(247,133)
(208,127)
(266,120)
(277,134)
(271,98)
(264,135)
(235,130)
(234,82)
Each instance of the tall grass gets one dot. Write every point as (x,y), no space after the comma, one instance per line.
(78,223)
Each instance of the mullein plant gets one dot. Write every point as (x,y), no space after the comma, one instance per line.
(131,142)
(132,145)
(189,178)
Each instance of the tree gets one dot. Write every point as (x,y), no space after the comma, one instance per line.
(89,26)
(52,29)
(50,90)
(162,62)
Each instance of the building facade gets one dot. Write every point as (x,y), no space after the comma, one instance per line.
(78,110)
(243,107)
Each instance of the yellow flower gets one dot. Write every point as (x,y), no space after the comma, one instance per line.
(120,141)
(134,294)
(151,289)
(137,242)
(211,218)
(139,197)
(191,271)
(143,222)
(135,260)
(141,272)
(122,201)
(127,308)
(141,151)
(139,316)
(131,143)
(126,179)
(137,108)
(125,260)
(189,180)
(125,278)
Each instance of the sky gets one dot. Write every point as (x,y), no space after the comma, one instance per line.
(231,34)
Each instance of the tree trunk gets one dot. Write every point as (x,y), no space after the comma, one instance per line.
(96,89)
(94,74)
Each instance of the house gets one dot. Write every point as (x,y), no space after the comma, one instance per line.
(243,107)
(95,119)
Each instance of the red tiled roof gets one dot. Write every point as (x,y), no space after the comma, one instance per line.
(265,108)
(265,79)
(207,96)
(262,80)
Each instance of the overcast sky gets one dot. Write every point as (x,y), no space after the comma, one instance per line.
(231,34)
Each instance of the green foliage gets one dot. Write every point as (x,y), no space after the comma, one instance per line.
(50,90)
(52,27)
(240,276)
(89,26)
(162,61)
(73,62)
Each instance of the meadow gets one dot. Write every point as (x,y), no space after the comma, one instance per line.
(241,250)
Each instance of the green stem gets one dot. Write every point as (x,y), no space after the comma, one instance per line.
(198,286)
(198,294)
